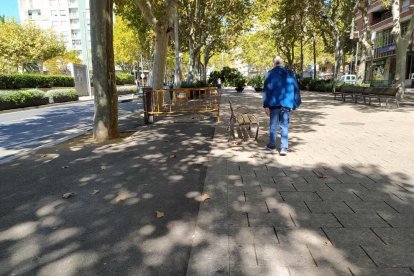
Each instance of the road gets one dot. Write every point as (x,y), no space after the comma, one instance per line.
(22,131)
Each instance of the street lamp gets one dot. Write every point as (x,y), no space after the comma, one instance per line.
(332,24)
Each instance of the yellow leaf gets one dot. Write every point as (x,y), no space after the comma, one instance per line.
(205,197)
(159,214)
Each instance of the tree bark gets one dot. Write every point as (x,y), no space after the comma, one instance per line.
(106,98)
(160,57)
(177,73)
(366,45)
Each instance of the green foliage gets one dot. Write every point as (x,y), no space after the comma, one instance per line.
(17,81)
(57,65)
(127,89)
(21,44)
(124,78)
(62,95)
(227,75)
(304,83)
(257,82)
(196,84)
(22,98)
(239,82)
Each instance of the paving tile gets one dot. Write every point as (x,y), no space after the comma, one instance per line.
(369,206)
(316,179)
(300,196)
(396,236)
(361,220)
(286,208)
(315,220)
(248,207)
(292,255)
(382,271)
(391,255)
(298,235)
(255,181)
(327,207)
(402,207)
(280,187)
(287,179)
(271,219)
(398,220)
(352,236)
(312,187)
(340,257)
(319,271)
(338,196)
(377,196)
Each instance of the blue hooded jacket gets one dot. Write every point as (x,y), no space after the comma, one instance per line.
(281,89)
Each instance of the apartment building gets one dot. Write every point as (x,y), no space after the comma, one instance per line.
(69,18)
(383,65)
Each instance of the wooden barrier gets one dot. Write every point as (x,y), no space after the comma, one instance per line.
(183,100)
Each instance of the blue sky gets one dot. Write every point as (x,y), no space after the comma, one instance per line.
(9,8)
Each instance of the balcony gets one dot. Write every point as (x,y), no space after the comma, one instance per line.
(378,17)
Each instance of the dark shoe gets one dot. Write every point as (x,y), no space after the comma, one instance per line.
(271,148)
(283,152)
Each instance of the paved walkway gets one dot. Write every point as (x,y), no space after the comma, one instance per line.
(340,203)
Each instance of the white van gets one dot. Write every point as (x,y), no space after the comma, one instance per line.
(350,79)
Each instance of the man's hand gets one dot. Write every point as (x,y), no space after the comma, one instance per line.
(267,111)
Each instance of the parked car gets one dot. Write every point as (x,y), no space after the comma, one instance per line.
(349,79)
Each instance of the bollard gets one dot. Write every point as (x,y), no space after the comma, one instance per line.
(147,101)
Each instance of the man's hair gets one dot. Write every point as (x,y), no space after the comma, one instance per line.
(278,61)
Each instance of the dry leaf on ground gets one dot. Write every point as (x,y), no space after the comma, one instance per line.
(205,197)
(95,192)
(321,174)
(67,195)
(65,167)
(159,214)
(103,168)
(120,198)
(173,156)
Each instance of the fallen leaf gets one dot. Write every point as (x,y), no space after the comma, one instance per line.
(95,192)
(166,141)
(67,195)
(65,167)
(120,198)
(173,156)
(321,174)
(159,214)
(205,197)
(103,168)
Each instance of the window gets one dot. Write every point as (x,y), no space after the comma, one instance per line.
(34,13)
(62,13)
(55,24)
(405,4)
(54,13)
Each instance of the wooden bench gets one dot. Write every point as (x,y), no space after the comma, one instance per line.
(242,120)
(382,93)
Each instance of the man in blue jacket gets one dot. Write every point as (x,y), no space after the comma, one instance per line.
(280,96)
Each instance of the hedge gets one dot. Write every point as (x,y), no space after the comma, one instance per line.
(22,98)
(62,95)
(127,89)
(124,78)
(18,81)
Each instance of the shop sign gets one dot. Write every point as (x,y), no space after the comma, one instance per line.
(379,62)
(387,49)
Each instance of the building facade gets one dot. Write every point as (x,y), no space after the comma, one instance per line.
(69,18)
(382,67)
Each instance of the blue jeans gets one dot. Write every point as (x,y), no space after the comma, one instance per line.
(279,118)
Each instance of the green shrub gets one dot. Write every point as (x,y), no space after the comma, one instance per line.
(304,83)
(227,75)
(239,82)
(18,81)
(196,84)
(127,89)
(62,95)
(124,78)
(257,82)
(22,98)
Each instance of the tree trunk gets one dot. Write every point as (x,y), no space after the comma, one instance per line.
(366,45)
(106,98)
(192,65)
(160,57)
(402,45)
(177,73)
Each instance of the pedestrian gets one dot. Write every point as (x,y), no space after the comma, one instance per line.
(219,83)
(280,96)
